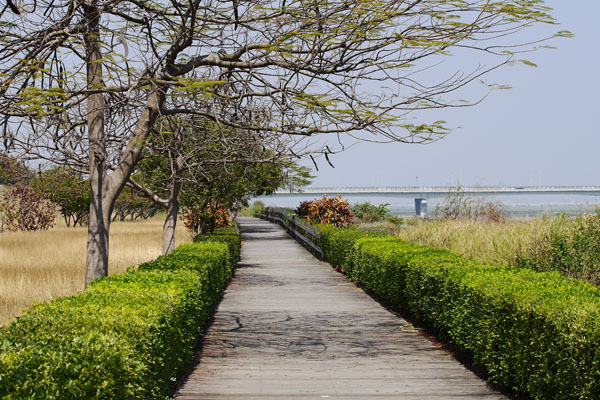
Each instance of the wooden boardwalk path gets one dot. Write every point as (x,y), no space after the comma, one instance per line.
(290,327)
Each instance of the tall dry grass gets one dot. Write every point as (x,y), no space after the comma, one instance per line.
(504,243)
(487,241)
(43,265)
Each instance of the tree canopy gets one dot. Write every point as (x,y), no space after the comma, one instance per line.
(69,190)
(85,82)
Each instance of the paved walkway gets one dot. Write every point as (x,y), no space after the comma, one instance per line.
(290,327)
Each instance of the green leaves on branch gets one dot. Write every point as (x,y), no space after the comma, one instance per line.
(69,190)
(39,103)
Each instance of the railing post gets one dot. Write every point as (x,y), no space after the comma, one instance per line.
(298,231)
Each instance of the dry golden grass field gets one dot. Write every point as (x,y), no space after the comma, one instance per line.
(42,265)
(500,243)
(486,241)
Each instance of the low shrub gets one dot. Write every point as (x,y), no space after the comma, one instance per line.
(126,336)
(394,219)
(303,210)
(256,208)
(368,212)
(570,247)
(205,218)
(337,244)
(457,205)
(374,263)
(535,332)
(330,210)
(27,209)
(225,235)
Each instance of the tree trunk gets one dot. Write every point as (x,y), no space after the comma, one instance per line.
(169,227)
(106,188)
(213,223)
(172,212)
(99,218)
(98,239)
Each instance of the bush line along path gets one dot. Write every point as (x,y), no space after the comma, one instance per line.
(290,327)
(128,336)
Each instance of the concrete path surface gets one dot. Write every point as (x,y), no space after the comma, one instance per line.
(290,327)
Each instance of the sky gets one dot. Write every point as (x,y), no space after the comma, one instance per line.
(543,131)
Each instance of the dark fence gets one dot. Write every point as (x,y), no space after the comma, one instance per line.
(305,234)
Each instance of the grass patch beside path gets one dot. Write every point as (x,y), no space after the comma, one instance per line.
(485,241)
(569,246)
(480,240)
(43,265)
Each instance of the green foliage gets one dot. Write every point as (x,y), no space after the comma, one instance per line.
(187,258)
(395,220)
(535,332)
(338,243)
(225,235)
(216,192)
(69,191)
(374,263)
(132,204)
(570,248)
(256,208)
(296,176)
(368,212)
(126,336)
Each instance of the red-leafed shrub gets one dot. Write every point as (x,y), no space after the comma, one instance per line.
(330,210)
(304,208)
(206,219)
(28,210)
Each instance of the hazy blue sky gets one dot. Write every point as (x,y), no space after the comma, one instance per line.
(542,131)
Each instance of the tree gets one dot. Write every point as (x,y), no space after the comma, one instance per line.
(133,204)
(84,82)
(183,151)
(296,177)
(68,190)
(215,169)
(215,192)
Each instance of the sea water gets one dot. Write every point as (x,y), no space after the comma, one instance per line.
(512,205)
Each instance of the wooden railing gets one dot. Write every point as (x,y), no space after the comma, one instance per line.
(305,234)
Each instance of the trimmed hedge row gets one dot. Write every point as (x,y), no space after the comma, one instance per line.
(226,235)
(538,333)
(126,336)
(337,243)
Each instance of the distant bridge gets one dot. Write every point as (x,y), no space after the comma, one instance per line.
(442,191)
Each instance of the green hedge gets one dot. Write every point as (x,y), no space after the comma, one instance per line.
(226,235)
(537,333)
(337,243)
(127,336)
